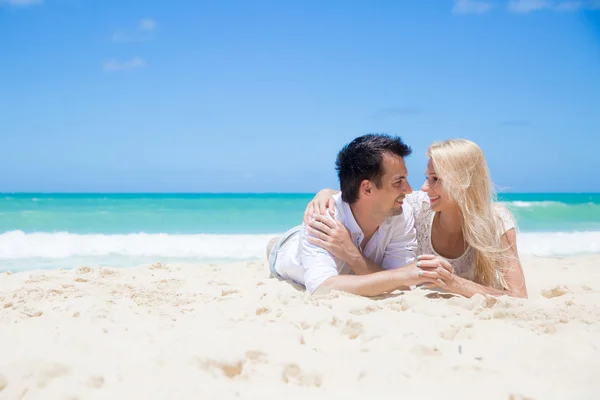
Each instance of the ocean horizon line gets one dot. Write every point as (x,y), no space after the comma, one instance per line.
(241,193)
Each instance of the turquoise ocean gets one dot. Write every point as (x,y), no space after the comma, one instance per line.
(70,230)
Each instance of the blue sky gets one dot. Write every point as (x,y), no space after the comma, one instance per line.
(242,96)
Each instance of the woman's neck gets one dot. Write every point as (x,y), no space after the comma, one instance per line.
(450,222)
(447,236)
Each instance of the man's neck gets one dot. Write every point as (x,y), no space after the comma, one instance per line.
(366,220)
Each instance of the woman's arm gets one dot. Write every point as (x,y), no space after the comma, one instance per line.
(512,272)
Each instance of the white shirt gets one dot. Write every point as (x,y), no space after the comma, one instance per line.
(392,246)
(464,266)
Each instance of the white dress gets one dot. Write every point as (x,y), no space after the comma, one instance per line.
(464,266)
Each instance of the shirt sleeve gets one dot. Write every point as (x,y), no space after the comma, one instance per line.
(402,247)
(318,263)
(508,221)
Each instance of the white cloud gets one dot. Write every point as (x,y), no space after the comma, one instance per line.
(21,2)
(116,65)
(525,6)
(590,5)
(569,6)
(471,7)
(141,33)
(147,24)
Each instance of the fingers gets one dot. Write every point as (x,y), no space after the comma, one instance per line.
(323,206)
(446,265)
(428,264)
(316,233)
(435,263)
(442,261)
(431,275)
(316,226)
(331,224)
(446,275)
(330,205)
(317,242)
(318,206)
(307,214)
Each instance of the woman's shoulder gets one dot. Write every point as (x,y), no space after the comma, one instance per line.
(418,200)
(505,216)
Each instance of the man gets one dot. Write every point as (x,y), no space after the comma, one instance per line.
(373,183)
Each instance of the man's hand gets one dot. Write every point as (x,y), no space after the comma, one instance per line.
(333,236)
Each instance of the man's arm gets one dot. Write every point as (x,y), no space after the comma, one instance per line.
(379,283)
(321,274)
(399,252)
(331,234)
(362,265)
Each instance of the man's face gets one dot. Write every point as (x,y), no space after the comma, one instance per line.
(388,199)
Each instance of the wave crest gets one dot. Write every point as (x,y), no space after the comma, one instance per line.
(17,245)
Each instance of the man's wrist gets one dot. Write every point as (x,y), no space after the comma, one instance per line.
(402,278)
(355,259)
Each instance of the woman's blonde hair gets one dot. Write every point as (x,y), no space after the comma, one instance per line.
(462,167)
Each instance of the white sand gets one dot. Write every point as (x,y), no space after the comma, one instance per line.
(200,332)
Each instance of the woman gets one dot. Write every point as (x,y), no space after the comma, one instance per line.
(461,230)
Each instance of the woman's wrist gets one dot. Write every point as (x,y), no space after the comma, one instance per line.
(460,286)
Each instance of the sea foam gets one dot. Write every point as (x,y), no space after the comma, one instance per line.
(527,204)
(15,245)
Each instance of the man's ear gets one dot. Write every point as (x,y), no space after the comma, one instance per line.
(366,187)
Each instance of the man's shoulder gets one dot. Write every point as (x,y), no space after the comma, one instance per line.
(340,206)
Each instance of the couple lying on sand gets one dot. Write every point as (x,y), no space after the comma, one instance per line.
(376,235)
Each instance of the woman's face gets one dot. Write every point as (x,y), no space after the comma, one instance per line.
(434,188)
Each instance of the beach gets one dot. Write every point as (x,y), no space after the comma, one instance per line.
(188,331)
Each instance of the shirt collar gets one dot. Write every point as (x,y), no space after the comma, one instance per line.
(347,216)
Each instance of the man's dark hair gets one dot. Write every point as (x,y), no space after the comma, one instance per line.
(363,158)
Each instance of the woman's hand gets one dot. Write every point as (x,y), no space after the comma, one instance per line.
(430,262)
(333,236)
(319,204)
(413,275)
